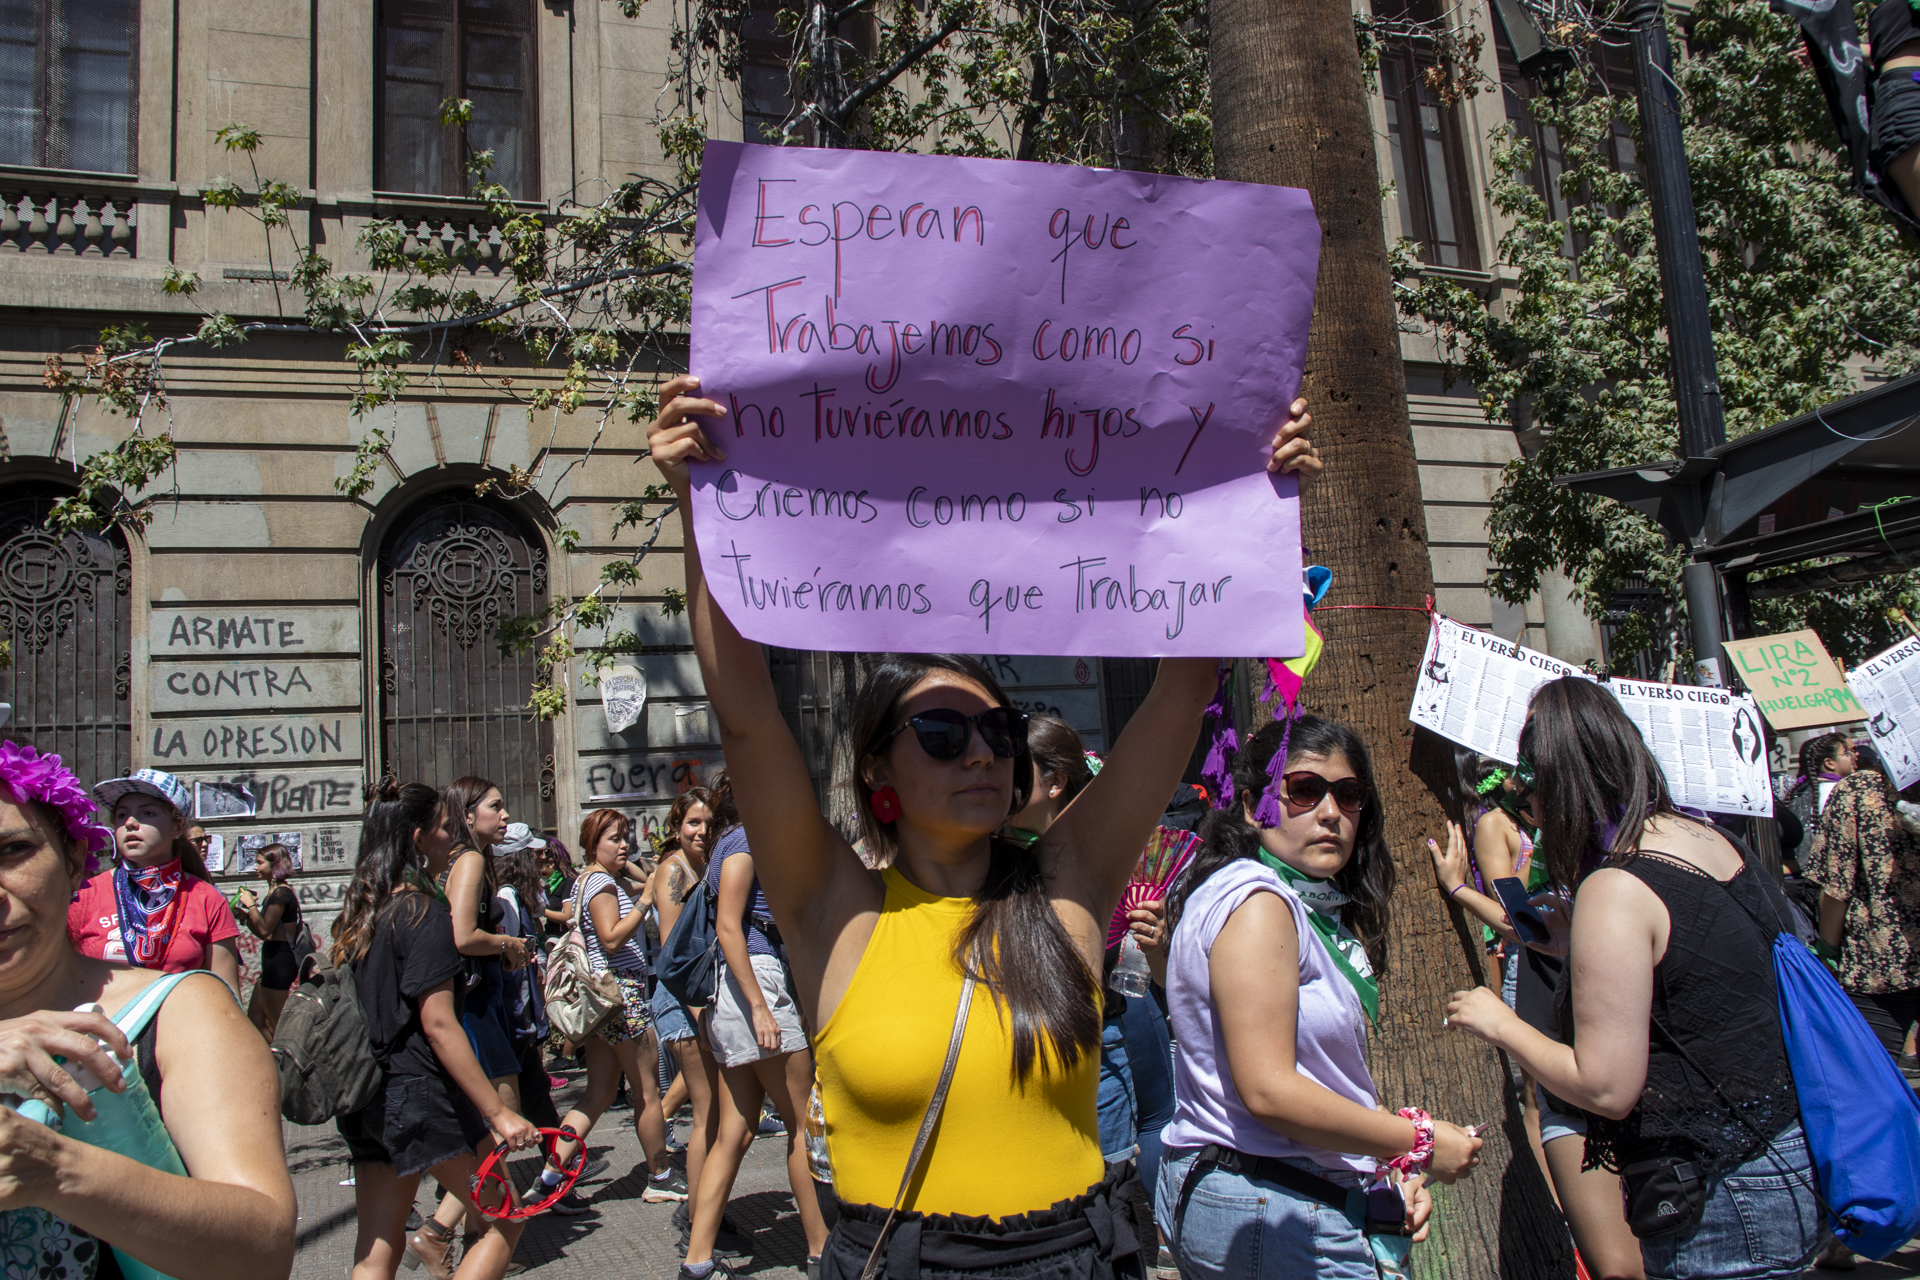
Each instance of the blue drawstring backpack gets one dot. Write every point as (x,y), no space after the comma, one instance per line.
(1860,1115)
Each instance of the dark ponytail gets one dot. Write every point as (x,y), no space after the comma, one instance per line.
(387,853)
(1014,943)
(1229,835)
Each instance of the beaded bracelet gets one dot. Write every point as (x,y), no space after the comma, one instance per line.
(1420,1158)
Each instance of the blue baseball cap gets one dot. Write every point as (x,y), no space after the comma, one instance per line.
(153,782)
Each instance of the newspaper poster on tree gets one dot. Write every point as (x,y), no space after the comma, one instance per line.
(982,405)
(1709,743)
(1474,687)
(1888,687)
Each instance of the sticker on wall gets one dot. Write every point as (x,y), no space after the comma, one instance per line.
(623,695)
(222,800)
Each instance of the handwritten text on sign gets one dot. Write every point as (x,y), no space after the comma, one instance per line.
(987,405)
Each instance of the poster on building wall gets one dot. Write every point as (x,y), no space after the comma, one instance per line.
(1474,687)
(623,695)
(216,858)
(249,847)
(967,411)
(1888,687)
(1709,743)
(212,800)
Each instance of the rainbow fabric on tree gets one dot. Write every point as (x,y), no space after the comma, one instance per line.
(1285,678)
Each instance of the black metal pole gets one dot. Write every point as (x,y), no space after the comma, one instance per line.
(1696,377)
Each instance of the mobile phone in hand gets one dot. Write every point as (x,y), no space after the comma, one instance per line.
(1528,923)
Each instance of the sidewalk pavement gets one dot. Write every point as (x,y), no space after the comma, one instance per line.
(623,1237)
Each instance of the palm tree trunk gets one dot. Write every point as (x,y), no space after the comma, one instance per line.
(1290,108)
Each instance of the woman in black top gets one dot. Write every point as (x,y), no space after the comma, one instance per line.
(436,1106)
(1673,1048)
(274,922)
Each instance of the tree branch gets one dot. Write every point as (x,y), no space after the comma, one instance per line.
(839,116)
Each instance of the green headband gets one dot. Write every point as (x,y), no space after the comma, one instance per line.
(1490,782)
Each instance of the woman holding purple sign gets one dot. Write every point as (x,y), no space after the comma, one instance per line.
(889,962)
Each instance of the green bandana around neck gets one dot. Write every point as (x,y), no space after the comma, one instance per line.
(1323,913)
(414,877)
(1021,836)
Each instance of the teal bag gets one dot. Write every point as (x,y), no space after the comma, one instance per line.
(128,1123)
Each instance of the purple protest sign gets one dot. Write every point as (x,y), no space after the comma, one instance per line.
(991,405)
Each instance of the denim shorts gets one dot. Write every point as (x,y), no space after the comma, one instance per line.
(1119,1129)
(413,1124)
(1236,1226)
(1761,1222)
(671,1021)
(1556,1124)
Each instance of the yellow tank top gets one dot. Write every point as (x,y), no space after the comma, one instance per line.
(999,1149)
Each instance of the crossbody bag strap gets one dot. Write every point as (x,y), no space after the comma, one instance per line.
(926,1122)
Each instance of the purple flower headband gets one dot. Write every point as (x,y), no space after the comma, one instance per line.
(33,778)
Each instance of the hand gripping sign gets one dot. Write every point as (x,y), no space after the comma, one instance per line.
(992,405)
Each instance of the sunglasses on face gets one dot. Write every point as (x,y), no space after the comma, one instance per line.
(944,733)
(1306,789)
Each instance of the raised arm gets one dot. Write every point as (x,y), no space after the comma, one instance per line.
(1098,839)
(800,857)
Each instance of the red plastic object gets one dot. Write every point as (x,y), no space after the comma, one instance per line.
(491,1170)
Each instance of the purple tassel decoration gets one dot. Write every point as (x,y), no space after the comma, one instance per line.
(1218,768)
(1267,812)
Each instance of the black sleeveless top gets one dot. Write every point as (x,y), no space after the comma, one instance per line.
(1713,993)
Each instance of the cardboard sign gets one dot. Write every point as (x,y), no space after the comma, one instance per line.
(1793,680)
(1888,685)
(990,405)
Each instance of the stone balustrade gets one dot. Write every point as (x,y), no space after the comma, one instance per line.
(66,222)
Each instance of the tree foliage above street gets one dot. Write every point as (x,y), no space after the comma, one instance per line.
(1806,281)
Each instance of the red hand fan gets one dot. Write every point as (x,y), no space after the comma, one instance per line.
(493,1170)
(1167,854)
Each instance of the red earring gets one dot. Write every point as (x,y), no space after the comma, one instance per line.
(885,804)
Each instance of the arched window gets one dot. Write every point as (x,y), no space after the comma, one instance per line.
(66,607)
(450,704)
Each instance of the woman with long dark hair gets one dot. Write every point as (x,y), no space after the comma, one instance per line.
(1671,1022)
(1824,761)
(1279,941)
(273,922)
(884,959)
(157,908)
(436,1112)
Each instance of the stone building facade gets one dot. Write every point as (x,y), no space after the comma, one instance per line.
(265,633)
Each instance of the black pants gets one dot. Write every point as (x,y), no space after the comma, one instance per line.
(1090,1237)
(536,1093)
(1889,1014)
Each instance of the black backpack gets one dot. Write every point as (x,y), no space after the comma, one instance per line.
(690,956)
(326,1062)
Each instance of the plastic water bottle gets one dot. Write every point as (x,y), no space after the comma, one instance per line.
(1131,976)
(127,1122)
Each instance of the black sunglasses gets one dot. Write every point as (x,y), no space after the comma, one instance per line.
(944,733)
(1306,789)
